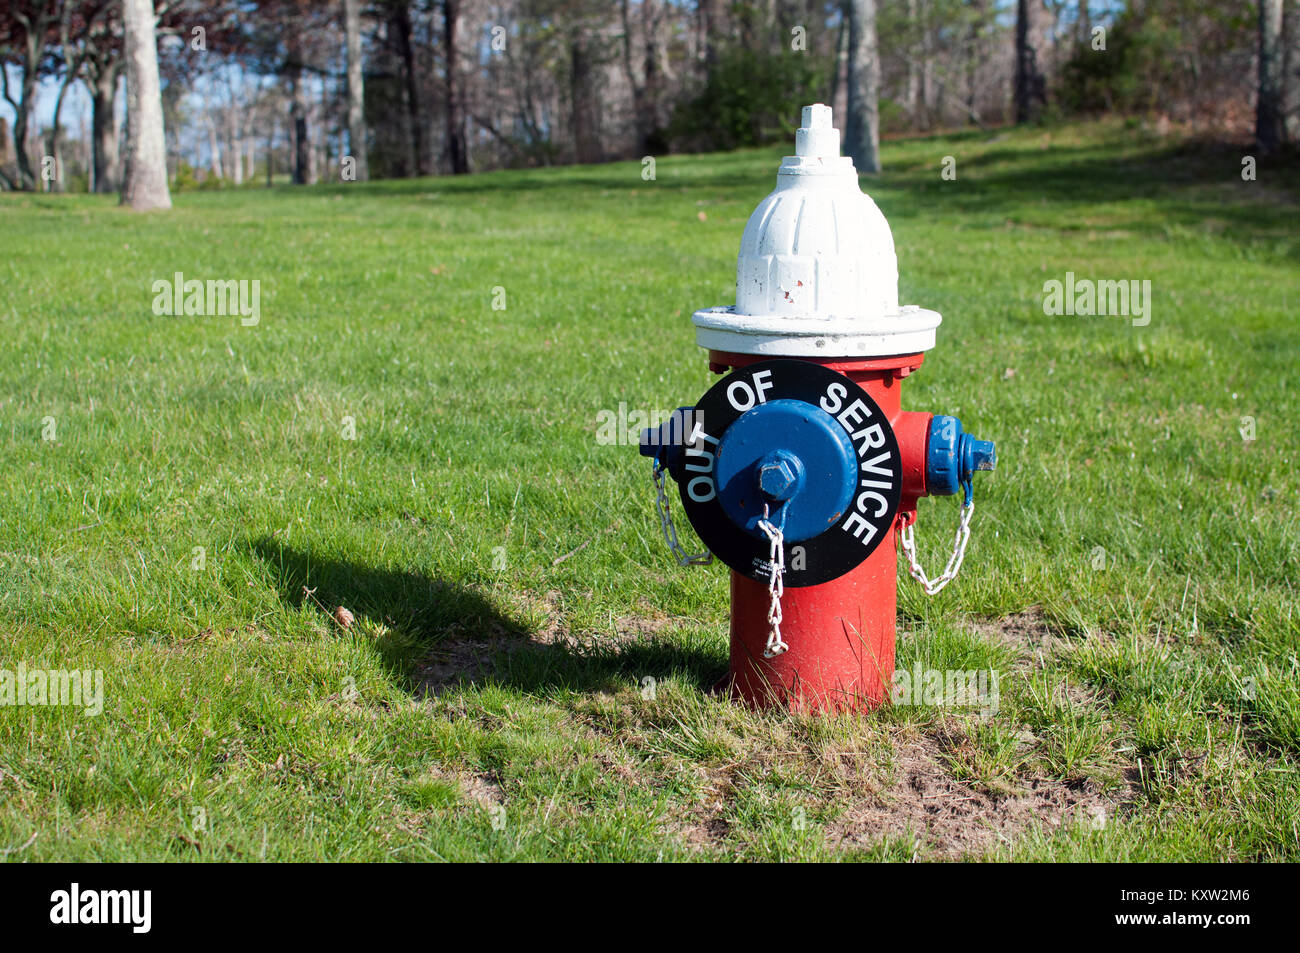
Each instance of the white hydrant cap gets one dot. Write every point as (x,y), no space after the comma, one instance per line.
(816,136)
(817,275)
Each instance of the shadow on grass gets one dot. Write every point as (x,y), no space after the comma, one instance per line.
(438,635)
(717,170)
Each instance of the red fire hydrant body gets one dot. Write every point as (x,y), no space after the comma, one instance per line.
(842,632)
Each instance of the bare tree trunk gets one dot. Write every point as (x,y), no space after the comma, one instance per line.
(320,154)
(301,144)
(929,84)
(105,133)
(1269,131)
(651,13)
(973,59)
(75,56)
(145,183)
(214,148)
(645,92)
(400,21)
(1291,72)
(912,98)
(7,182)
(585,117)
(862,125)
(710,27)
(457,139)
(54,149)
(841,56)
(638,91)
(356,89)
(1031,88)
(33,52)
(85,148)
(234,143)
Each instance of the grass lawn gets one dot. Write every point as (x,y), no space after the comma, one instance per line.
(384,436)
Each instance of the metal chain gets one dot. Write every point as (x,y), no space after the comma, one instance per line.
(775,583)
(670,531)
(907,539)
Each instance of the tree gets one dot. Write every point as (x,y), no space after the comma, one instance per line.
(457,141)
(710,21)
(25,33)
(401,30)
(584,98)
(862,125)
(1031,87)
(103,69)
(144,185)
(296,45)
(645,91)
(302,170)
(1291,72)
(103,63)
(356,90)
(1269,131)
(77,23)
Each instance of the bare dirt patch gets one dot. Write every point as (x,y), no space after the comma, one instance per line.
(482,790)
(947,818)
(910,787)
(1026,633)
(1035,642)
(453,662)
(705,831)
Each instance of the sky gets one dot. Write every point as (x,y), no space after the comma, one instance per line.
(76,104)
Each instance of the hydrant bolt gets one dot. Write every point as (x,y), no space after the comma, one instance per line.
(780,476)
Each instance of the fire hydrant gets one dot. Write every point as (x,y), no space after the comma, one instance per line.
(799,469)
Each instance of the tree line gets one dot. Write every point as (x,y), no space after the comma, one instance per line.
(251,91)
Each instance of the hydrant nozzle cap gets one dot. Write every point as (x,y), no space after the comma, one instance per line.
(816,137)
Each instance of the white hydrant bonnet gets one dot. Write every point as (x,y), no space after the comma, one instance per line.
(817,274)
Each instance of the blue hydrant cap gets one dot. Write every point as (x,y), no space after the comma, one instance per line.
(952,456)
(983,455)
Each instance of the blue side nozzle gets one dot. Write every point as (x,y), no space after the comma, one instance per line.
(665,442)
(952,456)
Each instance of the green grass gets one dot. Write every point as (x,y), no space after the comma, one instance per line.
(241,722)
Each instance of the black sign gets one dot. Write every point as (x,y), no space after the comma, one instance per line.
(852,534)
